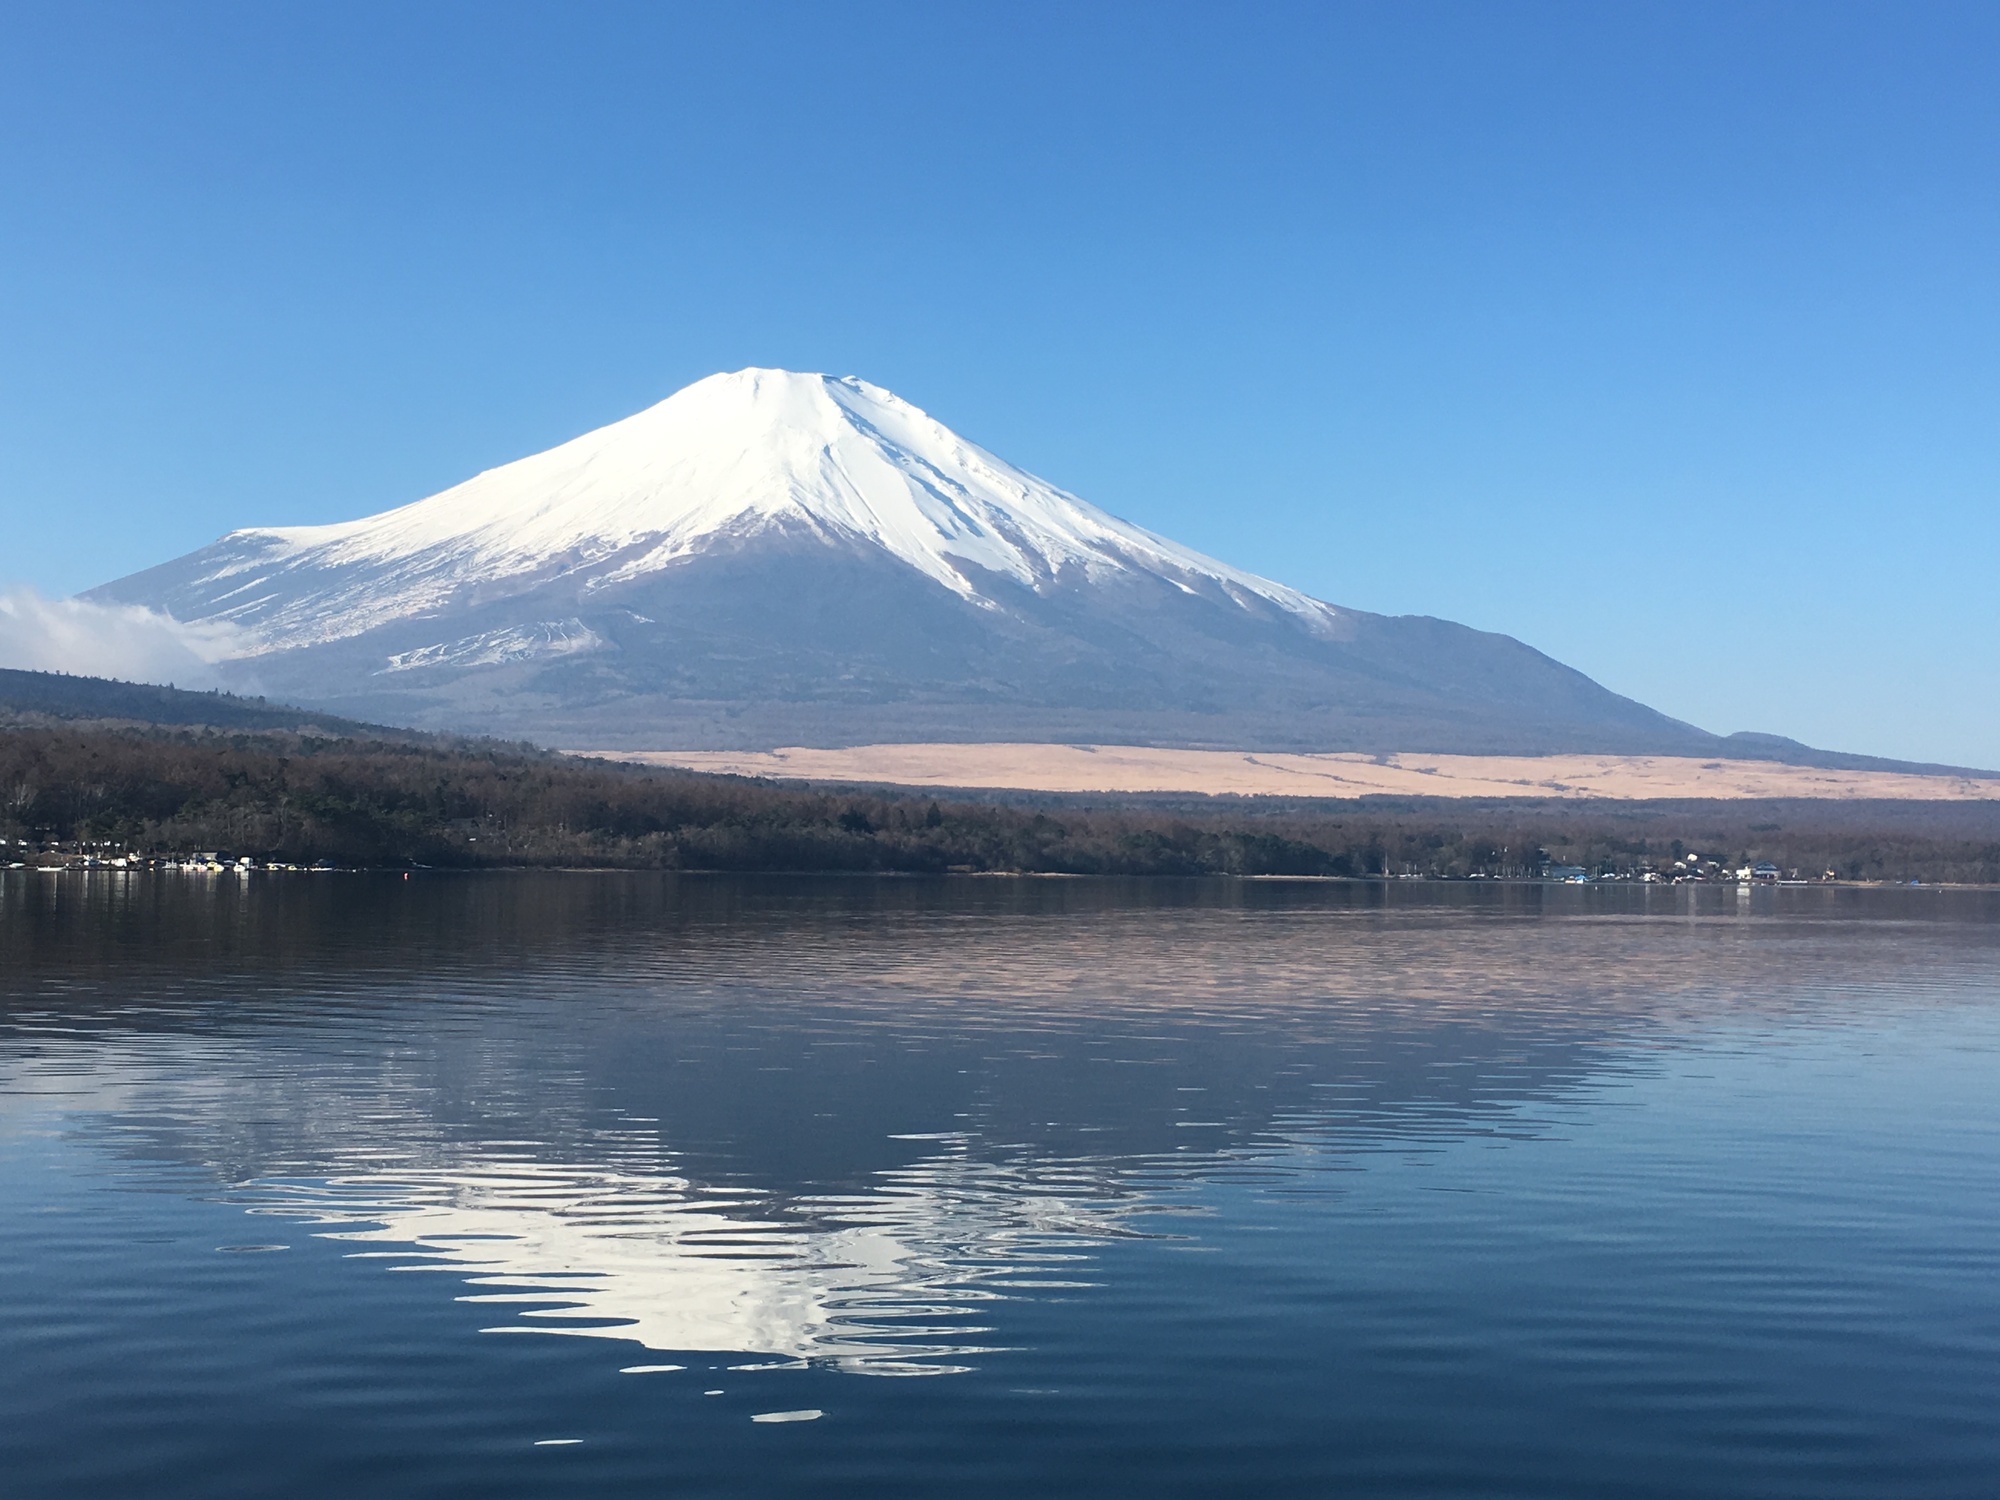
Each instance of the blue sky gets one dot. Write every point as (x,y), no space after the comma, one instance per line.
(1666,338)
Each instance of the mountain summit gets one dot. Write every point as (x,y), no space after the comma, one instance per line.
(768,557)
(719,463)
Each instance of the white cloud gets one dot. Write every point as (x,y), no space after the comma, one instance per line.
(110,640)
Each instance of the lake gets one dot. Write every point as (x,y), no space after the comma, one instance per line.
(581,1185)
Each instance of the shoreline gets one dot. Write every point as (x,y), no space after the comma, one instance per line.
(1509,881)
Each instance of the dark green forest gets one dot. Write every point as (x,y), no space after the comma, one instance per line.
(294,797)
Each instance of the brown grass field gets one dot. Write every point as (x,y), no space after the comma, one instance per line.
(1137,768)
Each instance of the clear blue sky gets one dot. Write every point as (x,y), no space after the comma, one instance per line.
(1666,337)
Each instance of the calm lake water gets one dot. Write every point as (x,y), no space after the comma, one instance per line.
(589,1185)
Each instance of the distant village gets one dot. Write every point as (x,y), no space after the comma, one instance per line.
(1691,867)
(25,854)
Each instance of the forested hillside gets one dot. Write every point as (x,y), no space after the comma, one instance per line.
(300,798)
(28,698)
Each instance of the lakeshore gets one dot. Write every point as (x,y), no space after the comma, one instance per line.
(206,799)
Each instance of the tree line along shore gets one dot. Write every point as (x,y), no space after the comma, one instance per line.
(72,793)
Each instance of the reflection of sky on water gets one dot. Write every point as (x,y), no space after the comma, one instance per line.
(843,1122)
(890,1283)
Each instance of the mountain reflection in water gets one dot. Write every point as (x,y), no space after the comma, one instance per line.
(869,1127)
(886,1284)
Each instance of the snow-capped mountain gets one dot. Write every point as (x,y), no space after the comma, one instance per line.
(726,458)
(770,556)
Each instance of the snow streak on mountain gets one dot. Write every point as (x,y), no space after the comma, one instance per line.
(769,557)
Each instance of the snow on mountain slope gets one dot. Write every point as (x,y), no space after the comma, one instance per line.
(721,460)
(768,558)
